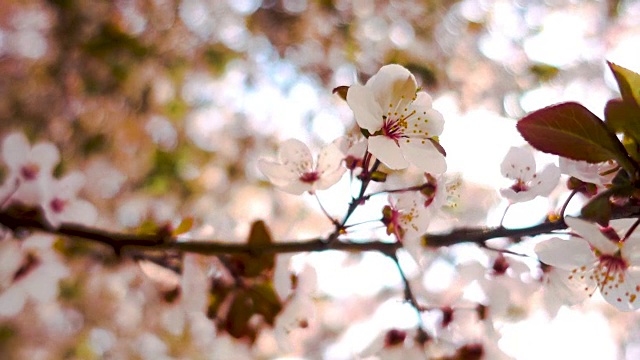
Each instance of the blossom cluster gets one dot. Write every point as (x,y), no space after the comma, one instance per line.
(30,182)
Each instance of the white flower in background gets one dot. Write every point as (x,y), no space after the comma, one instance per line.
(295,171)
(63,205)
(597,258)
(299,309)
(30,271)
(30,169)
(407,219)
(519,165)
(400,119)
(599,174)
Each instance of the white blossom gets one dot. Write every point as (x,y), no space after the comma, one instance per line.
(609,262)
(401,122)
(519,165)
(295,171)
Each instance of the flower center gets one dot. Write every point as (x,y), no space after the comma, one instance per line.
(57,205)
(519,186)
(30,171)
(394,128)
(310,177)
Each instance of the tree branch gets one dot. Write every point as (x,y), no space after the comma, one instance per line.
(30,221)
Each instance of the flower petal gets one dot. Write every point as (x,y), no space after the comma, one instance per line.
(392,85)
(623,295)
(15,150)
(387,151)
(591,233)
(366,110)
(296,154)
(565,254)
(424,155)
(280,175)
(544,182)
(69,185)
(46,155)
(518,164)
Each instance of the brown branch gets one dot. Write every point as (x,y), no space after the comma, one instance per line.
(20,221)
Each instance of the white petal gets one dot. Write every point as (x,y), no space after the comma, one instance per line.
(330,159)
(623,295)
(631,249)
(278,174)
(294,152)
(425,118)
(424,155)
(366,110)
(388,152)
(12,301)
(591,233)
(69,185)
(565,254)
(392,85)
(517,197)
(329,179)
(518,164)
(297,187)
(79,212)
(15,150)
(46,155)
(547,180)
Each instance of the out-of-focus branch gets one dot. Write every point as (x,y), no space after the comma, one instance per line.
(164,241)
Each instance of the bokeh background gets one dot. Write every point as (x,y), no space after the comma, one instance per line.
(167,105)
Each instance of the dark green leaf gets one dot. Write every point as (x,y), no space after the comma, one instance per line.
(623,117)
(598,209)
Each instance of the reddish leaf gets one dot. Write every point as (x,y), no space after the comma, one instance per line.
(572,131)
(252,265)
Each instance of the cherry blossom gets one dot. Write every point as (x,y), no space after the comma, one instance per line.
(600,258)
(30,169)
(599,174)
(519,165)
(30,272)
(295,171)
(402,124)
(63,205)
(406,218)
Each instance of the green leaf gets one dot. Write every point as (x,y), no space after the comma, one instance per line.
(570,130)
(628,82)
(240,311)
(266,301)
(623,117)
(598,209)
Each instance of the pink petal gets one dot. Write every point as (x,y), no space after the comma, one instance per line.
(387,152)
